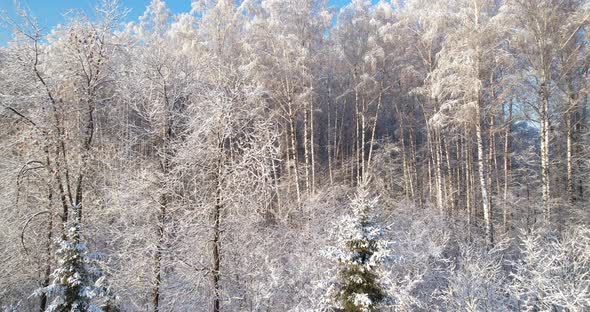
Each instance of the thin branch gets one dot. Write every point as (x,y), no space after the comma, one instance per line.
(22,234)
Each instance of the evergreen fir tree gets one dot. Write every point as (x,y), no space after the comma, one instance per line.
(362,251)
(78,285)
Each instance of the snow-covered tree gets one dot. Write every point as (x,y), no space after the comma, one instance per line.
(360,254)
(78,285)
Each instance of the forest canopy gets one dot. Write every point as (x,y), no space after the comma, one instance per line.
(288,155)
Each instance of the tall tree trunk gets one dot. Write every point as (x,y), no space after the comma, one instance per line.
(166,134)
(490,170)
(430,152)
(158,255)
(357,138)
(580,128)
(492,155)
(438,171)
(487,211)
(287,163)
(451,188)
(414,162)
(339,151)
(432,193)
(403,152)
(493,147)
(293,149)
(329,134)
(47,271)
(216,242)
(569,150)
(363,139)
(507,164)
(161,234)
(373,128)
(312,143)
(216,220)
(467,174)
(339,139)
(545,178)
(275,178)
(306,153)
(458,175)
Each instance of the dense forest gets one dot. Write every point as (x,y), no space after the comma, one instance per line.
(286,155)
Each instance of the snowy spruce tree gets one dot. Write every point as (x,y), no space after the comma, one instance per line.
(360,253)
(78,284)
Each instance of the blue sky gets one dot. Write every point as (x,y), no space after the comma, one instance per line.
(50,12)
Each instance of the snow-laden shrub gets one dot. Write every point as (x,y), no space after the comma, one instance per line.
(419,239)
(476,280)
(553,273)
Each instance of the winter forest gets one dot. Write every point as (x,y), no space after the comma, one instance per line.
(289,155)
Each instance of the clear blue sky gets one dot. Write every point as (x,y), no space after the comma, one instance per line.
(50,12)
